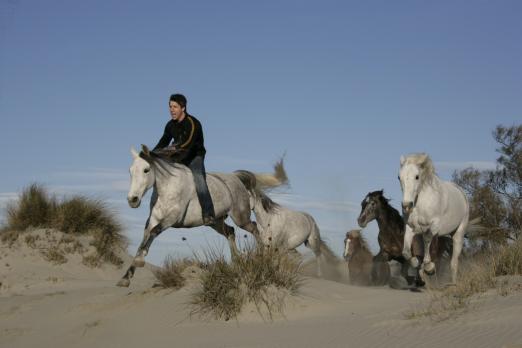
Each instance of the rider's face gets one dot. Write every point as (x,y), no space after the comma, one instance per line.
(176,111)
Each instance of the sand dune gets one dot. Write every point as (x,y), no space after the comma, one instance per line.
(72,305)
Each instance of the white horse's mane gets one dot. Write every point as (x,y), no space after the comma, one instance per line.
(424,162)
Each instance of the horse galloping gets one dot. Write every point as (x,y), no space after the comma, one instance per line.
(391,235)
(174,202)
(285,228)
(431,207)
(362,269)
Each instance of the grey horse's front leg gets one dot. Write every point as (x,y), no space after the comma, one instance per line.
(139,259)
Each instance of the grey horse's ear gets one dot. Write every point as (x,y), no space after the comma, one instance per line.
(134,153)
(423,158)
(145,149)
(145,153)
(403,159)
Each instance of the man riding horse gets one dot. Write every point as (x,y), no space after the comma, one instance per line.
(188,148)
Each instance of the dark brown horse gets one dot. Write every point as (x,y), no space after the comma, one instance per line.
(391,235)
(361,262)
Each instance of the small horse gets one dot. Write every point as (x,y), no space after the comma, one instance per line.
(361,262)
(391,233)
(431,207)
(174,202)
(284,228)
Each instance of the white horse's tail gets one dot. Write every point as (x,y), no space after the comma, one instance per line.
(474,227)
(262,181)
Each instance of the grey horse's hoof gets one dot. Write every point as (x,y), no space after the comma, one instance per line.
(429,268)
(138,262)
(123,283)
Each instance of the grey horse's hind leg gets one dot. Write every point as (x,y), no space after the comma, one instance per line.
(228,231)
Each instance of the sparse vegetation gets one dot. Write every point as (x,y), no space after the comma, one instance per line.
(55,255)
(75,216)
(477,275)
(171,274)
(496,195)
(258,275)
(495,250)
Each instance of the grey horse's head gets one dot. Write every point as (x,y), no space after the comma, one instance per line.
(142,176)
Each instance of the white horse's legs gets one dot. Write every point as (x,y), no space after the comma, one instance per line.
(458,241)
(429,267)
(406,250)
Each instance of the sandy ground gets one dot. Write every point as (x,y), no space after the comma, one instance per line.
(72,305)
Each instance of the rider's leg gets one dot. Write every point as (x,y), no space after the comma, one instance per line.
(197,167)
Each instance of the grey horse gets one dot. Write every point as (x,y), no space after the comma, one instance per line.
(174,202)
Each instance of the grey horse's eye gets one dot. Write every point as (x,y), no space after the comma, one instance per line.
(146,170)
(416,177)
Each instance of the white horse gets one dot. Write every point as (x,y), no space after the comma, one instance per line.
(432,207)
(174,202)
(281,227)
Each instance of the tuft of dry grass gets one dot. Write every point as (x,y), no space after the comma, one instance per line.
(170,276)
(55,255)
(78,215)
(477,275)
(255,276)
(33,209)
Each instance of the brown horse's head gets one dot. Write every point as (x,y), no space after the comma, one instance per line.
(370,207)
(352,242)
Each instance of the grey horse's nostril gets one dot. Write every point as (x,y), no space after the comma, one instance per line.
(133,199)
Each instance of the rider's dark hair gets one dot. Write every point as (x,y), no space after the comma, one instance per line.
(180,99)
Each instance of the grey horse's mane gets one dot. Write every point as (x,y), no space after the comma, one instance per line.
(268,204)
(164,166)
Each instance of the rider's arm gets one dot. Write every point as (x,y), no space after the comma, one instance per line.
(165,139)
(193,133)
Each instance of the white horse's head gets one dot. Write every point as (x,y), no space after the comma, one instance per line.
(142,177)
(414,171)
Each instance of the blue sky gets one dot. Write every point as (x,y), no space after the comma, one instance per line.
(343,87)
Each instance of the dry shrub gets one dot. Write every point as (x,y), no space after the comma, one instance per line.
(477,275)
(508,260)
(170,276)
(54,255)
(34,208)
(75,216)
(255,276)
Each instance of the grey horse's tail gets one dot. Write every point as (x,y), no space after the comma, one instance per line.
(327,253)
(263,181)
